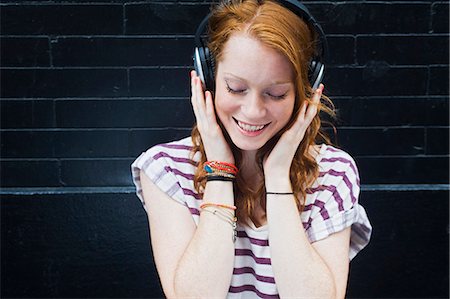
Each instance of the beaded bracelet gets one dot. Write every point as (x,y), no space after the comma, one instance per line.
(216,166)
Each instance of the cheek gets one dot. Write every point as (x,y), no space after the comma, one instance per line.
(224,107)
(283,112)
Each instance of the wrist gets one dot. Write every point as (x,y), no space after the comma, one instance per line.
(278,183)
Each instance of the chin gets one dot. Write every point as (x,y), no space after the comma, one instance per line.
(249,144)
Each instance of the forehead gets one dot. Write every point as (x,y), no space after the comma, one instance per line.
(252,60)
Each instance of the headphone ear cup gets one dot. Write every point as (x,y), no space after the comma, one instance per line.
(211,69)
(315,74)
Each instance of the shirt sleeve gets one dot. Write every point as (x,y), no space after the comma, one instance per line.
(153,163)
(333,204)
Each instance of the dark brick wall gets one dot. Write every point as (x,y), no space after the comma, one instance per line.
(87,86)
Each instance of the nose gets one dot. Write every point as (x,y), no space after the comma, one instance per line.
(254,107)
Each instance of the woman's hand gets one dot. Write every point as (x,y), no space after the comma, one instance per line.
(216,147)
(278,163)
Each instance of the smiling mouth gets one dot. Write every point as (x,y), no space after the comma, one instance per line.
(248,127)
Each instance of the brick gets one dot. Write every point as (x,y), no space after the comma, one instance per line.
(141,140)
(382,141)
(341,50)
(154,113)
(440,16)
(171,82)
(91,143)
(439,77)
(376,79)
(437,141)
(403,170)
(360,18)
(381,111)
(164,18)
(18,113)
(29,173)
(96,172)
(54,83)
(123,51)
(24,52)
(27,144)
(408,50)
(61,19)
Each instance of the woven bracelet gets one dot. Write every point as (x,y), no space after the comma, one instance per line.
(219,178)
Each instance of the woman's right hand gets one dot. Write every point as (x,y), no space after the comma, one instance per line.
(216,147)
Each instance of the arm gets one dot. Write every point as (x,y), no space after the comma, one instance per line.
(312,271)
(317,270)
(194,262)
(191,262)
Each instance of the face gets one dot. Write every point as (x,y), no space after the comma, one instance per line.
(255,92)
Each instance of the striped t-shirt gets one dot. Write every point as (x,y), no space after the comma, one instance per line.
(331,206)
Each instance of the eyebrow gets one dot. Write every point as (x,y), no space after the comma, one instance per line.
(242,79)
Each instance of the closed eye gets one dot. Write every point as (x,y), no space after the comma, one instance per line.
(277,97)
(235,91)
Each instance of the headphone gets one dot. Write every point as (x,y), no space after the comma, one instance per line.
(205,65)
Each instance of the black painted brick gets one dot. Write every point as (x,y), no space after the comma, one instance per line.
(440,16)
(123,51)
(22,52)
(341,50)
(20,113)
(27,144)
(172,82)
(439,77)
(382,141)
(64,144)
(61,19)
(29,173)
(380,111)
(408,50)
(141,140)
(357,18)
(63,82)
(96,172)
(438,141)
(164,18)
(147,113)
(89,144)
(403,170)
(376,79)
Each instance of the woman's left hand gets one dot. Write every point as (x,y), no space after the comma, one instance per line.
(277,164)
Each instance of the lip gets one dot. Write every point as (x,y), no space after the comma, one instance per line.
(250,133)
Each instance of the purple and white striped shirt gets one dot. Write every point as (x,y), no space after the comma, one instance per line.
(331,206)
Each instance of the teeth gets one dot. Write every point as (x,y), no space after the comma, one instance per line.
(249,127)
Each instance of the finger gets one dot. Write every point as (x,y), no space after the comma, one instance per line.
(194,95)
(210,113)
(313,108)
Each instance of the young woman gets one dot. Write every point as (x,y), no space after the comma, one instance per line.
(255,204)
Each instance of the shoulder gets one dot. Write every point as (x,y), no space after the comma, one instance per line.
(333,161)
(170,166)
(178,151)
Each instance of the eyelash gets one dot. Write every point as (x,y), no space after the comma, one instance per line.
(232,91)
